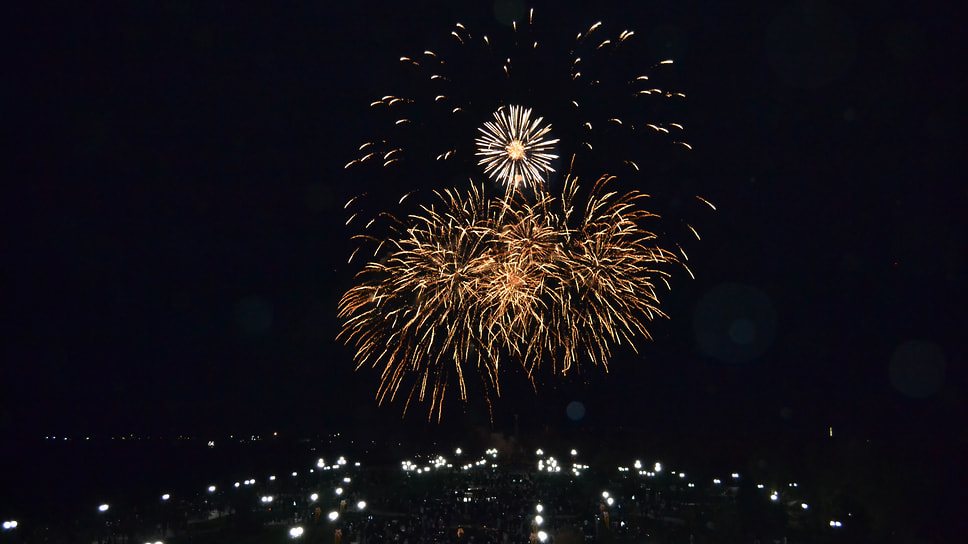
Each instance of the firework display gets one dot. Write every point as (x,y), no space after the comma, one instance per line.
(480,281)
(542,275)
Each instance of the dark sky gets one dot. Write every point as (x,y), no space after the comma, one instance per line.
(175,243)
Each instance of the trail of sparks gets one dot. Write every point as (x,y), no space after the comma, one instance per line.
(481,281)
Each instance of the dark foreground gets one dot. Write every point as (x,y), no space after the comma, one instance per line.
(336,491)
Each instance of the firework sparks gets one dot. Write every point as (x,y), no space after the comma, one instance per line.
(554,282)
(514,149)
(480,281)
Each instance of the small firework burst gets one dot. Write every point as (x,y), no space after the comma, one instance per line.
(514,149)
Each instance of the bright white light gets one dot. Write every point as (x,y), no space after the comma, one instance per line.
(314,497)
(341,460)
(236,484)
(638,464)
(165,497)
(211,489)
(539,452)
(759,486)
(717,481)
(542,536)
(735,475)
(539,508)
(320,463)
(272,478)
(103,508)
(774,497)
(339,490)
(7,525)
(604,494)
(574,453)
(804,505)
(658,467)
(296,532)
(610,501)
(458,451)
(333,515)
(347,480)
(361,505)
(294,474)
(835,523)
(538,520)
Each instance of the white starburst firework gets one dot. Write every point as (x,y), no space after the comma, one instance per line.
(514,149)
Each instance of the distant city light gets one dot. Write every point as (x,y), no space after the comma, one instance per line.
(272,478)
(717,481)
(236,484)
(165,497)
(314,497)
(539,508)
(774,496)
(7,525)
(103,508)
(542,536)
(610,501)
(361,505)
(804,505)
(347,480)
(658,467)
(735,475)
(294,474)
(211,489)
(638,464)
(539,452)
(333,515)
(296,532)
(339,490)
(538,520)
(834,523)
(458,451)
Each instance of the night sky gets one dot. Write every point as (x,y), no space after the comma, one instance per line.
(175,243)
